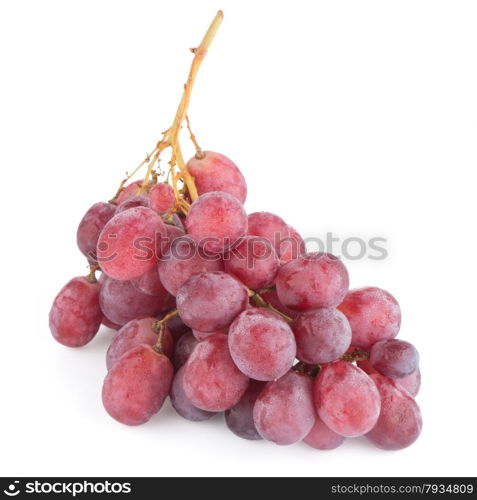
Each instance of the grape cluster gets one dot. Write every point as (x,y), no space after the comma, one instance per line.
(226,312)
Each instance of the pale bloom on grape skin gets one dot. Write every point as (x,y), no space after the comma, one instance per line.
(292,247)
(161,197)
(270,227)
(394,358)
(321,437)
(130,191)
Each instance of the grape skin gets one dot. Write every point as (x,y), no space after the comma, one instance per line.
(239,418)
(135,201)
(211,300)
(75,316)
(91,226)
(394,358)
(373,314)
(109,324)
(212,382)
(311,281)
(292,247)
(346,399)
(283,412)
(271,297)
(150,284)
(216,221)
(400,421)
(270,227)
(322,335)
(136,386)
(321,437)
(183,349)
(161,197)
(127,244)
(262,344)
(131,191)
(182,404)
(134,333)
(216,172)
(199,335)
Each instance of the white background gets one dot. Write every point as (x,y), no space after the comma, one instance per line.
(356,117)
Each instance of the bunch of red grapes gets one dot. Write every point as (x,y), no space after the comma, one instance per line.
(226,312)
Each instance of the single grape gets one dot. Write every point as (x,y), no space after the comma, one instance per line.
(211,300)
(253,261)
(216,172)
(212,382)
(373,314)
(161,197)
(135,201)
(121,302)
(262,344)
(183,349)
(271,297)
(136,386)
(321,437)
(292,247)
(91,226)
(150,284)
(216,221)
(270,227)
(131,190)
(400,421)
(127,244)
(346,399)
(183,260)
(182,404)
(134,333)
(311,281)
(75,316)
(322,335)
(394,358)
(283,412)
(239,418)
(199,335)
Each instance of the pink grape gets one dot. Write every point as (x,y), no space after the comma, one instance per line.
(373,314)
(271,297)
(127,244)
(292,247)
(400,421)
(262,344)
(253,261)
(216,221)
(239,418)
(150,284)
(211,300)
(183,349)
(183,260)
(136,386)
(322,335)
(199,335)
(135,201)
(75,316)
(321,437)
(212,382)
(121,302)
(109,324)
(216,172)
(91,226)
(394,358)
(134,333)
(182,404)
(131,190)
(283,412)
(311,281)
(161,197)
(268,226)
(346,399)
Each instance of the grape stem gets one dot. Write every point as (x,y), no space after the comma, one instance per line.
(159,327)
(357,355)
(261,302)
(91,277)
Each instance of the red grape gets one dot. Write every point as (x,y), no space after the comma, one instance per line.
(262,344)
(292,247)
(239,418)
(322,335)
(183,260)
(216,172)
(150,284)
(199,335)
(321,437)
(109,324)
(161,197)
(268,226)
(283,412)
(182,404)
(131,190)
(373,314)
(211,300)
(271,297)
(75,316)
(253,261)
(91,226)
(216,221)
(394,358)
(183,349)
(400,421)
(137,385)
(346,399)
(311,281)
(212,382)
(134,333)
(135,201)
(121,302)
